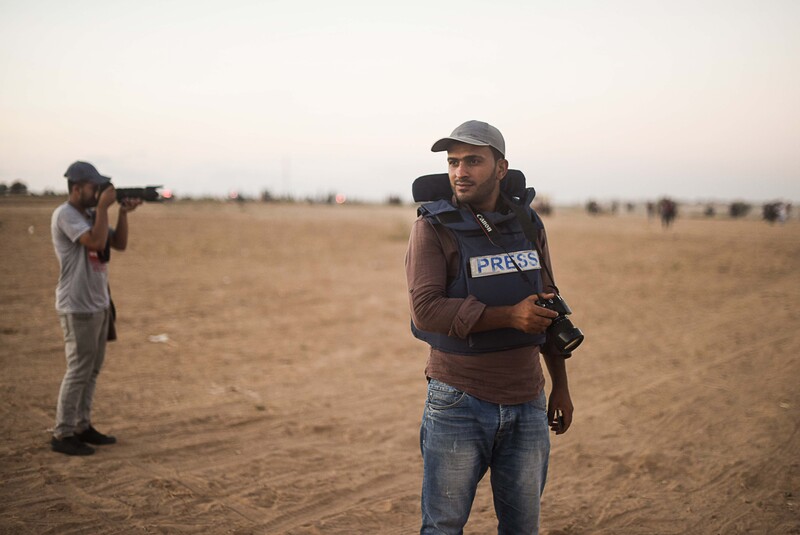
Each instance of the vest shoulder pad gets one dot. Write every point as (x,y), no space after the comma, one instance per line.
(433,209)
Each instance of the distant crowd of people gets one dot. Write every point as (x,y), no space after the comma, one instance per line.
(666,209)
(777,212)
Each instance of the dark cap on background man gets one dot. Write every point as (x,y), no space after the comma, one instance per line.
(85,172)
(473,133)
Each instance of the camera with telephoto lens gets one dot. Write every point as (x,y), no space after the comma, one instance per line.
(565,335)
(147,194)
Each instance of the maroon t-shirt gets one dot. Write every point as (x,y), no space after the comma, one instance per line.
(503,377)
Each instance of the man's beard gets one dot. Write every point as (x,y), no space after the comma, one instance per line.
(479,193)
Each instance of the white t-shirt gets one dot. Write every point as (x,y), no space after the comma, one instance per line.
(83,282)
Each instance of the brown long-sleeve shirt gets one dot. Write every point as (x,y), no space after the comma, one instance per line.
(503,377)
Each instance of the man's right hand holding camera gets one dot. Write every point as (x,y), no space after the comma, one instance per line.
(529,317)
(525,316)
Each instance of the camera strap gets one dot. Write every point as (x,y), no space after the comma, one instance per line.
(530,231)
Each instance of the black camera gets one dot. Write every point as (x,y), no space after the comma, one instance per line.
(147,194)
(565,336)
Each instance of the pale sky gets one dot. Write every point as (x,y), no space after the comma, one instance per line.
(635,99)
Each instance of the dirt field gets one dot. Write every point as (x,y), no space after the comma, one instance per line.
(265,380)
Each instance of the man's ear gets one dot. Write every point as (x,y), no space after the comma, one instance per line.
(502,168)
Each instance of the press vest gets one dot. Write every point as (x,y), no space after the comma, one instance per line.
(487,273)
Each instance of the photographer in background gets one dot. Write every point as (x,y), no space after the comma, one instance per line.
(486,406)
(82,240)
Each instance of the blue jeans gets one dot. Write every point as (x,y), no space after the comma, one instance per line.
(461,437)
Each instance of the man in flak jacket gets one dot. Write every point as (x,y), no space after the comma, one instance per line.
(486,406)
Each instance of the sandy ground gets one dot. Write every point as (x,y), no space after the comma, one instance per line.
(286,392)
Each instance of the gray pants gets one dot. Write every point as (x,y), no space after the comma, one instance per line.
(85,347)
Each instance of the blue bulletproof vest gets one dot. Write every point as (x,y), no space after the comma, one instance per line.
(488,273)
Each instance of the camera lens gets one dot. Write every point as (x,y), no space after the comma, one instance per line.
(568,337)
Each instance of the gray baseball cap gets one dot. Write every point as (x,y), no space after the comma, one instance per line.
(85,172)
(473,133)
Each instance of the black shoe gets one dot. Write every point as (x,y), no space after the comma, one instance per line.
(93,436)
(70,446)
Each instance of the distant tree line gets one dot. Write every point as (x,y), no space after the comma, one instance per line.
(17,188)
